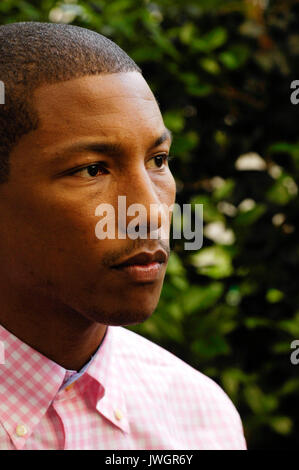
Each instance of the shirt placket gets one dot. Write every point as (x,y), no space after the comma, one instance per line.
(62,406)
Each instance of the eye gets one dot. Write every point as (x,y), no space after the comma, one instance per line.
(91,171)
(158,161)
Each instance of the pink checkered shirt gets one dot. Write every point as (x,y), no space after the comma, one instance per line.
(134,395)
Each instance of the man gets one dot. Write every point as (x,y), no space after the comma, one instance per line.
(79,128)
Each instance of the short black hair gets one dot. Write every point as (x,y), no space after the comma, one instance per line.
(33,54)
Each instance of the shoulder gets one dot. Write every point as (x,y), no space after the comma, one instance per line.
(202,394)
(131,344)
(185,390)
(134,348)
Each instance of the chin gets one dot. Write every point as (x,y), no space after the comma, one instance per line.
(124,307)
(122,317)
(128,311)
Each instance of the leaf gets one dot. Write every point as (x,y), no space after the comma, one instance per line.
(184,143)
(251,216)
(258,401)
(211,346)
(274,295)
(211,41)
(210,211)
(285,147)
(210,65)
(225,190)
(232,379)
(175,265)
(186,32)
(214,262)
(283,190)
(255,322)
(235,57)
(199,298)
(281,424)
(174,120)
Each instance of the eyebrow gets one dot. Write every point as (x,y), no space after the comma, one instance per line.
(111,149)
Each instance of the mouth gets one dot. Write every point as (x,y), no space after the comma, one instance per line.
(144,267)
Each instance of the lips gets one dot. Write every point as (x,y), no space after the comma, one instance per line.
(143,268)
(144,258)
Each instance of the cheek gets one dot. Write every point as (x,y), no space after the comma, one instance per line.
(167,190)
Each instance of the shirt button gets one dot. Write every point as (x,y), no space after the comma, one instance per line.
(118,415)
(21,430)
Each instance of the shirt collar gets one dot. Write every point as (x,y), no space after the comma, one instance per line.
(29,382)
(104,370)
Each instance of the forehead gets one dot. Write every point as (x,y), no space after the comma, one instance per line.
(119,105)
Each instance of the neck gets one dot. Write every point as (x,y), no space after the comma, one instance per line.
(51,328)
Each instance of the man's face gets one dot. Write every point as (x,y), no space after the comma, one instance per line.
(49,246)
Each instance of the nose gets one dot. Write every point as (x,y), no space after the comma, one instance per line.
(147,214)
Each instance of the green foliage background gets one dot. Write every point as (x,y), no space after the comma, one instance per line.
(221,71)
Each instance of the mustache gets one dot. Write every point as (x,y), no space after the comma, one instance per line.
(138,245)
